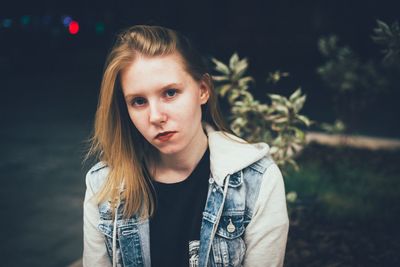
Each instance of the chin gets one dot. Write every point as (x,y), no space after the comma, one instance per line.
(169,150)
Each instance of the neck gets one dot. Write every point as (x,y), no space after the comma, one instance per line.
(176,167)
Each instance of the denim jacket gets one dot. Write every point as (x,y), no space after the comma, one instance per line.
(245,221)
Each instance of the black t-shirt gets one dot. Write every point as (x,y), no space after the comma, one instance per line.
(176,223)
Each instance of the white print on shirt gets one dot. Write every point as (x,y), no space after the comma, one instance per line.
(194,253)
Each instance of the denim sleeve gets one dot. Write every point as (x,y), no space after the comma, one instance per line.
(94,248)
(266,234)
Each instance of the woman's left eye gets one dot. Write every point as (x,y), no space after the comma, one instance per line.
(170,92)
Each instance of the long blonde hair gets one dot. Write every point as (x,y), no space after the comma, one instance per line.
(115,139)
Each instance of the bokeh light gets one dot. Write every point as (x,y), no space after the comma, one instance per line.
(25,20)
(66,20)
(99,27)
(73,27)
(7,23)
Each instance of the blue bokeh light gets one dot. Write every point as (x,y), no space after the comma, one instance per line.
(66,20)
(7,23)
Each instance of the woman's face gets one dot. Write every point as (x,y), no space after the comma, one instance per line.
(164,102)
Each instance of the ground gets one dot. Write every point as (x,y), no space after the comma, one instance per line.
(45,120)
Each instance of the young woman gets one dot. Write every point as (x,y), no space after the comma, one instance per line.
(173,186)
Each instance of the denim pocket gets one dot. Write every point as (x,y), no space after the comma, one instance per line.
(230,226)
(228,245)
(124,227)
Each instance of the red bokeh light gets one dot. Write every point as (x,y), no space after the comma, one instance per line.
(73,27)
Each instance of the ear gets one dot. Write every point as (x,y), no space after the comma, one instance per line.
(204,89)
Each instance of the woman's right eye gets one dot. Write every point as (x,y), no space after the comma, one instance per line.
(138,101)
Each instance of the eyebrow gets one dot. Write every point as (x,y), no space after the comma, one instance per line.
(161,89)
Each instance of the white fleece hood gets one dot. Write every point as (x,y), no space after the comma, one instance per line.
(229,154)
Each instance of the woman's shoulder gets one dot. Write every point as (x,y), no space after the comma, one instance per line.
(97,175)
(98,166)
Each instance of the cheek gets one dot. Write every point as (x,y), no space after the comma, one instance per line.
(191,115)
(137,121)
(189,107)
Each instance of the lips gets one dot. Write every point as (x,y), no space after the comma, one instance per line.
(165,135)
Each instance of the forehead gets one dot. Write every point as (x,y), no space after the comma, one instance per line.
(146,73)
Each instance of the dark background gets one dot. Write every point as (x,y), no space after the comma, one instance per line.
(50,81)
(273,35)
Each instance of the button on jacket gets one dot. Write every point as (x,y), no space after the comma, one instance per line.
(245,221)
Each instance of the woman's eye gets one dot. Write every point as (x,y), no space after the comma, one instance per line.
(138,101)
(170,92)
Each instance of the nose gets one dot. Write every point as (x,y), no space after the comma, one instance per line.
(156,114)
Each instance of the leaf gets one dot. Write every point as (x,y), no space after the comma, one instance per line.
(273,149)
(281,120)
(287,102)
(224,89)
(282,108)
(247,95)
(220,78)
(295,95)
(234,94)
(262,108)
(385,28)
(278,141)
(272,118)
(276,128)
(304,119)
(245,80)
(239,69)
(240,65)
(289,151)
(297,147)
(299,133)
(240,121)
(299,103)
(277,98)
(233,60)
(221,67)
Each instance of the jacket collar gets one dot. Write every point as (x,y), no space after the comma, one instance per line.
(230,154)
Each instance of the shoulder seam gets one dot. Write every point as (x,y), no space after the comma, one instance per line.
(260,165)
(98,166)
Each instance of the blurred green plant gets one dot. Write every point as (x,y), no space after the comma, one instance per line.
(336,128)
(356,84)
(347,182)
(389,38)
(353,83)
(276,76)
(291,197)
(277,123)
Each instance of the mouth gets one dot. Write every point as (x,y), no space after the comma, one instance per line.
(165,135)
